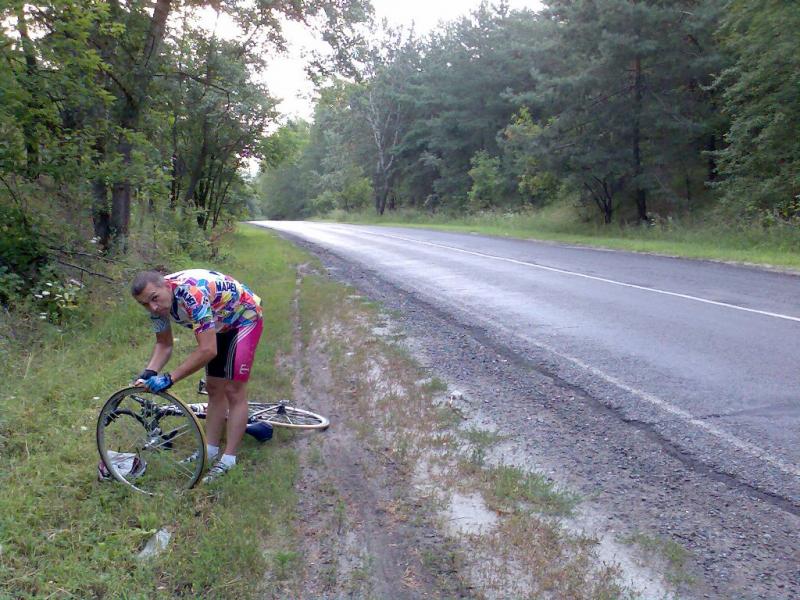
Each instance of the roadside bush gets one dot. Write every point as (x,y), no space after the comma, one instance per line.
(487,182)
(55,300)
(11,284)
(22,252)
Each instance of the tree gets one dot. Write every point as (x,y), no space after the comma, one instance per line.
(218,116)
(130,75)
(462,96)
(615,81)
(389,64)
(285,184)
(761,164)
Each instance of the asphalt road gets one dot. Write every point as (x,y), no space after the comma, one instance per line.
(705,353)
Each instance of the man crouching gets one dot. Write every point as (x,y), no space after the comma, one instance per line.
(226,319)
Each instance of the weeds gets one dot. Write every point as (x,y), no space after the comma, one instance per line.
(672,553)
(481,438)
(510,485)
(64,534)
(284,564)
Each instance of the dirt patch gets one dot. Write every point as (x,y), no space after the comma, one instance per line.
(411,493)
(361,533)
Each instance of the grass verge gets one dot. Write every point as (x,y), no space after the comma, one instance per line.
(777,246)
(63,534)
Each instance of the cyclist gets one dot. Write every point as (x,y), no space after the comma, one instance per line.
(226,319)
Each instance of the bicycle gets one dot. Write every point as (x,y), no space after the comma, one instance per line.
(155,444)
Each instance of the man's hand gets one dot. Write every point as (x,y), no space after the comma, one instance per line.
(144,376)
(158,383)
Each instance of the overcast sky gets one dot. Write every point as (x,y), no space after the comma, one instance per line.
(286,77)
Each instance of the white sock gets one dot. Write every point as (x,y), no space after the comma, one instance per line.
(228,460)
(212,451)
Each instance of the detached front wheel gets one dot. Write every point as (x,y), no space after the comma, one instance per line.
(151,442)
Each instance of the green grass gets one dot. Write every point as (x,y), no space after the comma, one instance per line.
(481,438)
(508,486)
(675,555)
(691,238)
(63,534)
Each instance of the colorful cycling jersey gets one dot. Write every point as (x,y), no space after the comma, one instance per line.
(205,299)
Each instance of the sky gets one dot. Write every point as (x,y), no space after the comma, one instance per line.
(286,77)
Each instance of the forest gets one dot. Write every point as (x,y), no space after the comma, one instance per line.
(634,110)
(127,128)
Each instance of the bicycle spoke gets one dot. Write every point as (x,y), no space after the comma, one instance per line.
(131,424)
(165,442)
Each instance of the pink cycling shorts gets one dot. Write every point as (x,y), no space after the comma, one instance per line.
(236,349)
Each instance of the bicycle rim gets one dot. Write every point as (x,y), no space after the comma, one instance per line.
(151,442)
(280,415)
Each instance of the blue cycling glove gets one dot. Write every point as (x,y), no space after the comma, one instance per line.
(159,383)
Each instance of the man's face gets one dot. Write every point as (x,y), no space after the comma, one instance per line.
(158,300)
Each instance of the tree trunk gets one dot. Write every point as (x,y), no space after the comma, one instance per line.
(28,126)
(603,197)
(197,168)
(134,102)
(711,148)
(121,199)
(381,191)
(174,186)
(101,217)
(641,193)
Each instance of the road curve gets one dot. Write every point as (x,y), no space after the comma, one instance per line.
(704,352)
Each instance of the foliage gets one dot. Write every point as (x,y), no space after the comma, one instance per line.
(56,300)
(11,285)
(642,110)
(285,187)
(487,181)
(107,108)
(461,98)
(22,251)
(64,534)
(761,162)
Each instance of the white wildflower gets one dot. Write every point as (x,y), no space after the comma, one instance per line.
(38,296)
(49,284)
(45,293)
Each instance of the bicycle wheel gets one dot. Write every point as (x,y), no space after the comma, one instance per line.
(151,442)
(281,415)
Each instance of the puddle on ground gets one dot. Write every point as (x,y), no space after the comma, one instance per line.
(592,523)
(640,577)
(468,515)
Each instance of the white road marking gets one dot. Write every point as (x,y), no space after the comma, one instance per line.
(677,412)
(585,276)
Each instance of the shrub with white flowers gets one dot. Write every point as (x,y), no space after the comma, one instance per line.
(56,300)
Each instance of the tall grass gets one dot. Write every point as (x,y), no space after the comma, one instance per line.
(63,534)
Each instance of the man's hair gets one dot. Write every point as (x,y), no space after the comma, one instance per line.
(143,278)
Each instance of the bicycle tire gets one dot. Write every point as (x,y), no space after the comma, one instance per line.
(151,442)
(282,415)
